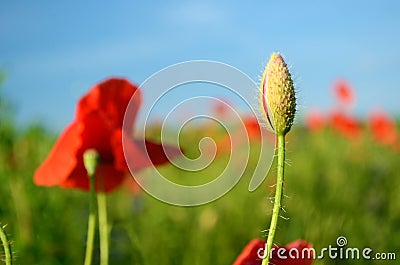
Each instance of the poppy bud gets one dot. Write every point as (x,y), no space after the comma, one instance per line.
(278,95)
(90,160)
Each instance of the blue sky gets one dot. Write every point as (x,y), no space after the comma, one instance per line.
(53,52)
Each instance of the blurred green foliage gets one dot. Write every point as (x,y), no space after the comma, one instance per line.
(334,187)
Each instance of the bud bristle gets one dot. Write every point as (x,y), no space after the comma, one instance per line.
(278,99)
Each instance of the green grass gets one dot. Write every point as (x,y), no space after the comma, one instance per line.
(334,187)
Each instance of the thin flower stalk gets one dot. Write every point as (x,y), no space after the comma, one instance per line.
(6,245)
(278,103)
(90,159)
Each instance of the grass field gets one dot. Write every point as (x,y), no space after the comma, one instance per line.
(334,187)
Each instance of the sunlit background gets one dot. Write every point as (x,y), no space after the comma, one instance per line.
(342,170)
(53,52)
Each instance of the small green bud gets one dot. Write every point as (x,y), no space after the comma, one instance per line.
(91,160)
(278,99)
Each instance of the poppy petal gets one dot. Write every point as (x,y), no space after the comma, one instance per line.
(344,92)
(111,98)
(140,154)
(107,178)
(135,156)
(64,165)
(253,128)
(249,255)
(161,153)
(346,125)
(61,161)
(295,257)
(383,128)
(96,135)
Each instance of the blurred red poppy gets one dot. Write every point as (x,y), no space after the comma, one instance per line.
(222,107)
(98,125)
(291,254)
(346,125)
(344,92)
(252,133)
(224,144)
(315,120)
(396,146)
(252,127)
(132,187)
(383,128)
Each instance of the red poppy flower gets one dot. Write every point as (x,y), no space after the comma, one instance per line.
(315,120)
(98,125)
(253,128)
(291,254)
(345,125)
(344,92)
(383,128)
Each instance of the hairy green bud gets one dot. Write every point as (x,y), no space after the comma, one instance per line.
(278,99)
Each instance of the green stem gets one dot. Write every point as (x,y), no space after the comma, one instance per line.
(6,245)
(91,223)
(103,227)
(278,198)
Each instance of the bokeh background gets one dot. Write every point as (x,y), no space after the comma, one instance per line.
(343,179)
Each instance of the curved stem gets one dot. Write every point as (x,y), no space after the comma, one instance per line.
(91,223)
(103,227)
(278,198)
(6,245)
